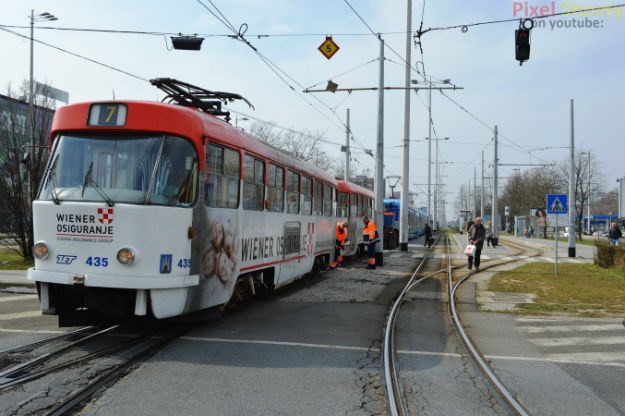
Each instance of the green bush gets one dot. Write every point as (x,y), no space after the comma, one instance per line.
(607,255)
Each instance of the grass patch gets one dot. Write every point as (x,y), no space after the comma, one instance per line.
(10,260)
(578,289)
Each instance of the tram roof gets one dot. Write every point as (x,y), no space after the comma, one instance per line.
(353,188)
(146,116)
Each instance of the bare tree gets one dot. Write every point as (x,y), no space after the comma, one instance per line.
(302,145)
(22,165)
(587,176)
(529,189)
(606,202)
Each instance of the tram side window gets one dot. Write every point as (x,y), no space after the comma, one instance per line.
(370,207)
(365,207)
(306,195)
(354,206)
(292,192)
(275,188)
(318,198)
(328,194)
(253,183)
(342,208)
(361,208)
(221,183)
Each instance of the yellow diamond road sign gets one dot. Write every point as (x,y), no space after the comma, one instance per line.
(328,48)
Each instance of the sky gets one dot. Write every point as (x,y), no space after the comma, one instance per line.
(530,103)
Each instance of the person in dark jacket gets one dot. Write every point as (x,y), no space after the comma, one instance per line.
(476,235)
(469,224)
(614,234)
(428,235)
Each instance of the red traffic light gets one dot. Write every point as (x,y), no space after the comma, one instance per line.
(522,45)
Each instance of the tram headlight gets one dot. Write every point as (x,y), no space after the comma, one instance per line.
(41,251)
(126,256)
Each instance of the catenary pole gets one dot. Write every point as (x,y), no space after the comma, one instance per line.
(404,199)
(347,155)
(482,189)
(571,197)
(495,223)
(430,152)
(379,165)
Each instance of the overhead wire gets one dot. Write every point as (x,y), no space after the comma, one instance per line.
(279,72)
(75,54)
(546,16)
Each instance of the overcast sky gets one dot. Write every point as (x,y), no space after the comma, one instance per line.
(530,104)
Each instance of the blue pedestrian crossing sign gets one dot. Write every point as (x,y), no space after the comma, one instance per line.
(557,204)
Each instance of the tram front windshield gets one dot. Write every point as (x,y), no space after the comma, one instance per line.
(156,170)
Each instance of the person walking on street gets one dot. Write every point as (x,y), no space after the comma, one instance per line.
(476,235)
(428,235)
(371,238)
(469,225)
(489,236)
(614,234)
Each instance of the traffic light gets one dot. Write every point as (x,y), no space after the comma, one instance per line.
(522,42)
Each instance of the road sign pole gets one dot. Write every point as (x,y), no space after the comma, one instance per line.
(556,240)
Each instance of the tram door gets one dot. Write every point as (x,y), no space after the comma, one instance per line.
(291,247)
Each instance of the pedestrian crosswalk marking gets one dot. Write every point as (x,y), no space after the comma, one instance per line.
(564,333)
(572,328)
(577,341)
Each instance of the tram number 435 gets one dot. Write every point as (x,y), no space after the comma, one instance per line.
(97,261)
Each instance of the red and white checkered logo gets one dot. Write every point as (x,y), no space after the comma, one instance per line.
(105,215)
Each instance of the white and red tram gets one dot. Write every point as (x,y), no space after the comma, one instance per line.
(158,210)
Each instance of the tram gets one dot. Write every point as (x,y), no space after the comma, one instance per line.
(156,210)
(416,221)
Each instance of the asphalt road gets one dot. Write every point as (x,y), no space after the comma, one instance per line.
(314,350)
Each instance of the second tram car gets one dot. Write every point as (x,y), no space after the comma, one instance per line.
(156,210)
(416,221)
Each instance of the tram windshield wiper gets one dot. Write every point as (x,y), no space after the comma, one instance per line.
(52,176)
(88,180)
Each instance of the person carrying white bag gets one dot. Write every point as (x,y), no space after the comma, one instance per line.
(476,235)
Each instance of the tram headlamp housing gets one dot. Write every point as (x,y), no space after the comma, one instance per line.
(41,250)
(126,256)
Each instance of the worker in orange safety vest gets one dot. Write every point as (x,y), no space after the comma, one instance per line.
(341,239)
(371,238)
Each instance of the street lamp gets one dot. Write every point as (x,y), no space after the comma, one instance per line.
(45,16)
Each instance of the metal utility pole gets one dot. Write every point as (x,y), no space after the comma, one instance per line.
(435,211)
(430,152)
(482,189)
(475,191)
(495,223)
(571,197)
(588,194)
(347,153)
(379,163)
(404,201)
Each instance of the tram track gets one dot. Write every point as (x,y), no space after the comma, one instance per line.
(96,359)
(396,403)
